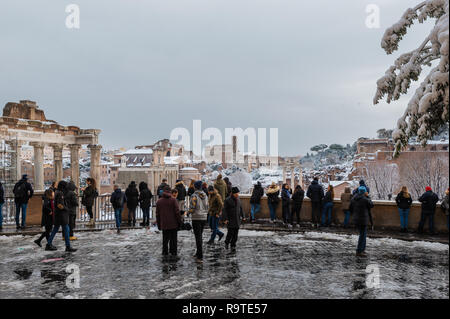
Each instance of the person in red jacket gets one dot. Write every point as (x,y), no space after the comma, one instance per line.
(168,219)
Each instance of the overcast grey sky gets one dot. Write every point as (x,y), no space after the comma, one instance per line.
(136,69)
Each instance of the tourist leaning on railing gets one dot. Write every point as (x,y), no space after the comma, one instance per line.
(404,202)
(132,202)
(89,194)
(145,201)
(297,203)
(315,194)
(23,191)
(285,204)
(273,199)
(429,200)
(327,206)
(346,198)
(255,201)
(118,199)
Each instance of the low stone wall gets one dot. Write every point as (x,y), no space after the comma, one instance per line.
(385,213)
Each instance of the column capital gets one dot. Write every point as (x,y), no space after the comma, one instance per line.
(37,144)
(94,146)
(57,146)
(74,146)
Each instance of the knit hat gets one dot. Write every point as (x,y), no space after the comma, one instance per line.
(198,185)
(24,176)
(210,188)
(362,190)
(234,190)
(428,188)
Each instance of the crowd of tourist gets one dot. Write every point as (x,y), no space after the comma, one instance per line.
(211,205)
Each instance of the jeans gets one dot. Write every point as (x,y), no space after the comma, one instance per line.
(170,242)
(197,226)
(255,208)
(1,215)
(272,209)
(315,213)
(146,216)
(214,224)
(347,217)
(423,219)
(326,214)
(22,207)
(362,239)
(404,213)
(65,230)
(118,215)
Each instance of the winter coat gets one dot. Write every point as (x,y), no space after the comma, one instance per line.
(61,210)
(160,189)
(181,191)
(232,212)
(89,195)
(285,197)
(328,197)
(229,186)
(47,212)
(445,205)
(27,194)
(167,212)
(346,198)
(221,188)
(257,194)
(199,206)
(429,201)
(360,206)
(71,198)
(297,198)
(361,183)
(2,194)
(273,195)
(118,199)
(315,192)
(215,204)
(132,195)
(402,201)
(191,190)
(145,198)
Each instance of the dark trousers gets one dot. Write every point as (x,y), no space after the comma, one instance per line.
(423,219)
(170,242)
(315,213)
(232,237)
(72,218)
(296,213)
(362,239)
(286,213)
(198,226)
(146,216)
(46,233)
(132,216)
(89,211)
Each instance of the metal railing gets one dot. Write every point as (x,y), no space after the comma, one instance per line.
(9,211)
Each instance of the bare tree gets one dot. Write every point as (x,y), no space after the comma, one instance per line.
(382,178)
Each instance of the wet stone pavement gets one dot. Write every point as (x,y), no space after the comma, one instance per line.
(265,265)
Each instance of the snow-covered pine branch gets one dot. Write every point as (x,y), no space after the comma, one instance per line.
(428,109)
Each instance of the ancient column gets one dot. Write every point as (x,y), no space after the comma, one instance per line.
(284,174)
(38,165)
(95,163)
(75,163)
(57,161)
(292,178)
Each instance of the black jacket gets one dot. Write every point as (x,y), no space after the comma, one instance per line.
(2,194)
(315,192)
(89,195)
(360,208)
(47,212)
(61,211)
(191,190)
(181,191)
(285,197)
(232,212)
(429,201)
(297,198)
(132,195)
(160,189)
(118,198)
(71,198)
(27,194)
(328,198)
(145,198)
(403,202)
(257,194)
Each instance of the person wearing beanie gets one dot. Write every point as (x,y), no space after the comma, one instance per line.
(362,183)
(429,200)
(199,214)
(360,206)
(232,214)
(22,191)
(215,204)
(316,195)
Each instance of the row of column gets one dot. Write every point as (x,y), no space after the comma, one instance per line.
(292,170)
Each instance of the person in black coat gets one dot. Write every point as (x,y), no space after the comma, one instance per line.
(181,196)
(429,200)
(2,201)
(132,195)
(61,218)
(90,193)
(72,205)
(47,215)
(22,191)
(145,201)
(160,189)
(361,183)
(118,199)
(360,207)
(297,202)
(404,202)
(286,204)
(231,216)
(315,194)
(255,200)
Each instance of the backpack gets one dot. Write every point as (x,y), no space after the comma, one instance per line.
(202,206)
(21,191)
(118,201)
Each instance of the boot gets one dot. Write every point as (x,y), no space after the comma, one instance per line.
(50,247)
(70,249)
(37,242)
(118,230)
(210,242)
(221,236)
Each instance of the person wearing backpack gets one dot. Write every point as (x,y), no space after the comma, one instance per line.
(145,201)
(61,218)
(2,201)
(132,195)
(22,191)
(118,199)
(297,203)
(199,213)
(160,189)
(255,200)
(90,193)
